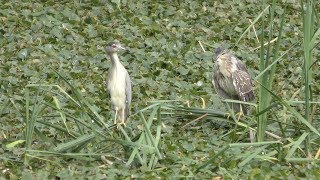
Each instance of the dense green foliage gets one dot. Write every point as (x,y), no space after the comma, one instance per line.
(61,44)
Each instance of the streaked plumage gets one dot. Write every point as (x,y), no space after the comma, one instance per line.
(119,84)
(231,79)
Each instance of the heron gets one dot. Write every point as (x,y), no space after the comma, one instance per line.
(119,84)
(231,79)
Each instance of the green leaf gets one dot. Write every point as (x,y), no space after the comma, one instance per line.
(15,143)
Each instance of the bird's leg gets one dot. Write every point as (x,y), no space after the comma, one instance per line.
(122,117)
(115,117)
(203,103)
(240,112)
(251,132)
(227,114)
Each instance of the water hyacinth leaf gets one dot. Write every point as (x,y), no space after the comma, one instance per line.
(169,69)
(22,54)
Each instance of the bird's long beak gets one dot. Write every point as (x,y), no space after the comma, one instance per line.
(125,49)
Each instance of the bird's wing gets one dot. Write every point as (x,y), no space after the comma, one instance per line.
(128,90)
(240,65)
(223,94)
(242,84)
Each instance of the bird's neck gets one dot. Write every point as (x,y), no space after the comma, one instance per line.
(114,58)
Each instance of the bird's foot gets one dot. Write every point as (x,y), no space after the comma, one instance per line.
(203,103)
(239,114)
(123,123)
(228,115)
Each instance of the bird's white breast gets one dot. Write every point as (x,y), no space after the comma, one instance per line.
(227,65)
(117,86)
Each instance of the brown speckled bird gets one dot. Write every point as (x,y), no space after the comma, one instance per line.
(231,79)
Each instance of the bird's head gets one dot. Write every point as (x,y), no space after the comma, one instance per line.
(114,47)
(218,52)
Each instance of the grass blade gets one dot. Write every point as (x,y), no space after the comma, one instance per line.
(253,155)
(296,144)
(74,143)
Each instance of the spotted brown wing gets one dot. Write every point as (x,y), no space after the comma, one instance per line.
(242,85)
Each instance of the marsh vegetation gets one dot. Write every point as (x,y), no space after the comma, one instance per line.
(55,114)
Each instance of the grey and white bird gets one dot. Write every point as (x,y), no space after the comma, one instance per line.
(231,79)
(119,84)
